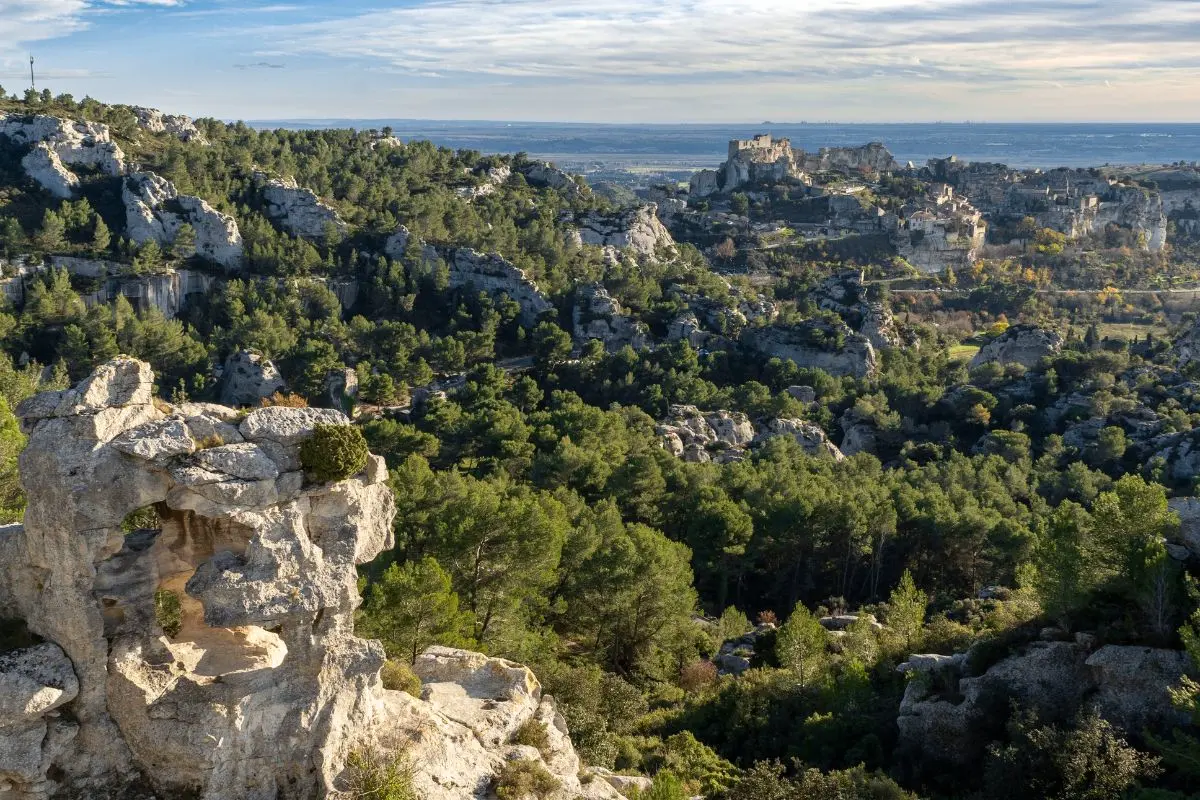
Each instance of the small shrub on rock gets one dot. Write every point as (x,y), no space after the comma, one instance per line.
(522,779)
(374,775)
(168,611)
(533,734)
(284,401)
(334,452)
(399,677)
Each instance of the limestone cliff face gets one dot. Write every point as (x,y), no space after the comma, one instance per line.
(486,272)
(297,210)
(855,357)
(597,315)
(155,210)
(637,229)
(214,657)
(947,716)
(57,144)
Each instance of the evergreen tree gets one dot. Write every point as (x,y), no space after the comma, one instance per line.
(50,236)
(101,236)
(412,606)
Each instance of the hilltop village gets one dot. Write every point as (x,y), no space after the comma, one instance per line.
(334,465)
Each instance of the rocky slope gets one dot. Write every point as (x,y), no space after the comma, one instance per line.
(154,210)
(214,657)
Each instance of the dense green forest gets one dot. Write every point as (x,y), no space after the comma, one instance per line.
(541,519)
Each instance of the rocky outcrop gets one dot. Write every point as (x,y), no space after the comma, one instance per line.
(248,378)
(297,210)
(725,436)
(494,274)
(816,345)
(545,175)
(492,179)
(949,717)
(1021,344)
(57,144)
(807,434)
(214,657)
(636,229)
(870,159)
(179,126)
(597,315)
(1187,346)
(491,273)
(154,210)
(461,730)
(1188,509)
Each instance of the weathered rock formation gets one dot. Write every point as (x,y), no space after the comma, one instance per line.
(155,121)
(297,210)
(155,210)
(816,345)
(597,315)
(1021,344)
(947,717)
(214,657)
(492,179)
(248,378)
(637,229)
(57,144)
(546,175)
(725,436)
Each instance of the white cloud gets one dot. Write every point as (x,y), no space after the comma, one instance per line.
(24,21)
(672,41)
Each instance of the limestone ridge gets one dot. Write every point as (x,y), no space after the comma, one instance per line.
(215,657)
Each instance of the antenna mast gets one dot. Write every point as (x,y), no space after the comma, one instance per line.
(32,81)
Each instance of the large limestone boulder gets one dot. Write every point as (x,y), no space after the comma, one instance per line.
(1021,344)
(807,434)
(154,210)
(946,717)
(155,121)
(249,378)
(295,209)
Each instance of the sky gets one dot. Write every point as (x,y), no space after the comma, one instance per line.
(619,60)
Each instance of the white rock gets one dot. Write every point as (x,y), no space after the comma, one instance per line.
(288,426)
(248,378)
(154,210)
(245,461)
(297,210)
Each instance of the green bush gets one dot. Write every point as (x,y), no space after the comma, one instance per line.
(334,452)
(520,779)
(370,774)
(399,677)
(168,611)
(533,734)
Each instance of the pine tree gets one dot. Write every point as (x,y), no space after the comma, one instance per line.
(50,235)
(184,245)
(101,236)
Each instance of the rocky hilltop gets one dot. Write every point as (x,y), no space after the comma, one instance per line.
(215,656)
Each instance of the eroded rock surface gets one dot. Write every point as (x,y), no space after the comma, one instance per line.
(297,210)
(1021,344)
(214,656)
(154,210)
(57,144)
